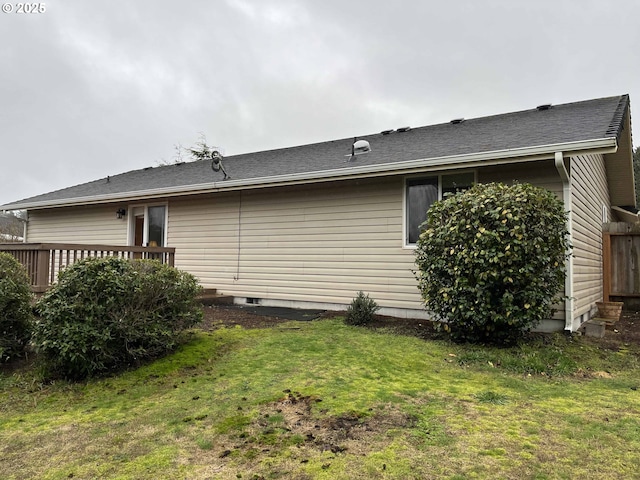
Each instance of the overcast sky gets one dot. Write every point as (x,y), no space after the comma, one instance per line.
(96,88)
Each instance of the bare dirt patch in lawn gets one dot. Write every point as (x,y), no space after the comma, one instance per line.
(216,316)
(289,423)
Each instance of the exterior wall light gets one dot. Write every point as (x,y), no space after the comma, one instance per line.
(120,213)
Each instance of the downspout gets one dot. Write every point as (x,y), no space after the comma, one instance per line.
(237,275)
(566,199)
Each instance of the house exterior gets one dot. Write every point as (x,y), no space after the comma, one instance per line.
(310,226)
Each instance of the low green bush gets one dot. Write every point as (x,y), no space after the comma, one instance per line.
(361,310)
(15,308)
(491,260)
(109,313)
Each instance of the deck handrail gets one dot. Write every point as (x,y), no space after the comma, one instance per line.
(43,261)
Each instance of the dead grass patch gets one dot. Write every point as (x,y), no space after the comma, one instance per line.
(291,430)
(350,432)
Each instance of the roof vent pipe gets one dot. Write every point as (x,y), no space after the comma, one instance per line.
(360,146)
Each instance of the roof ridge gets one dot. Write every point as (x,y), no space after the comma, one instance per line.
(617,121)
(523,111)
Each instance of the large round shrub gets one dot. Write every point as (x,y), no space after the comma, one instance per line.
(15,308)
(108,313)
(491,260)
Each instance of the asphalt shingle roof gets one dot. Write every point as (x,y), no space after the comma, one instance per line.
(571,122)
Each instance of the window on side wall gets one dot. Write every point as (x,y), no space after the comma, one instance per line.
(421,193)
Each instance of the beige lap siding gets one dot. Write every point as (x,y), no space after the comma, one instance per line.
(317,243)
(96,225)
(541,174)
(89,225)
(590,194)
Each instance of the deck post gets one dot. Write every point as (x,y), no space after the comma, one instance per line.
(43,257)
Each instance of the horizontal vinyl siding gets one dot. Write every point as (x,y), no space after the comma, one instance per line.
(541,174)
(94,225)
(319,243)
(589,194)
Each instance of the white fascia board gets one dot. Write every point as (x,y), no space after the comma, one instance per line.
(603,145)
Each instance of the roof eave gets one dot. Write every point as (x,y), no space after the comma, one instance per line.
(625,215)
(600,145)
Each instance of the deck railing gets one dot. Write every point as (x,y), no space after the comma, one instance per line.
(43,261)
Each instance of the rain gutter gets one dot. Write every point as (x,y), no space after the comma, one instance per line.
(496,157)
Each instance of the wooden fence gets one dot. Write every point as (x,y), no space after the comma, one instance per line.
(43,261)
(621,261)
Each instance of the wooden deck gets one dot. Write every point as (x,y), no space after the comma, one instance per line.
(43,261)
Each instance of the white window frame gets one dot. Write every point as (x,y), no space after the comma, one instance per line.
(438,175)
(131,230)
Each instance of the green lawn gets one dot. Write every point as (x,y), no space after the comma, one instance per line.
(308,400)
